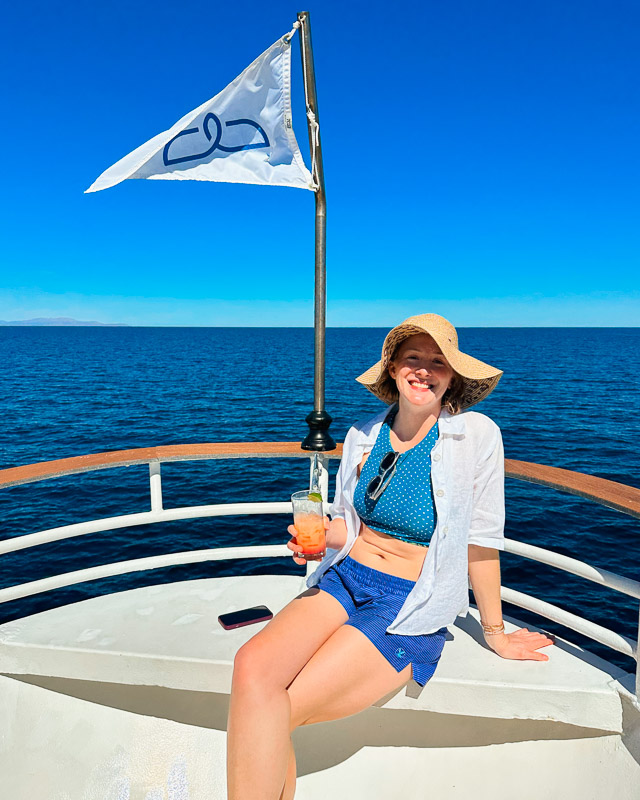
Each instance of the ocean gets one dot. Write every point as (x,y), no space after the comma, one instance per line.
(568,398)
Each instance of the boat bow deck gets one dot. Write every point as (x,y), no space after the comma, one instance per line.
(169,636)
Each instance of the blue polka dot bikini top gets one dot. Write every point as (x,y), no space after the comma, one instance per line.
(405,509)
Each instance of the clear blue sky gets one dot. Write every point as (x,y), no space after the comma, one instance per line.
(481,161)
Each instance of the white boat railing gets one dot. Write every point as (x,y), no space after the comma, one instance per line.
(609,493)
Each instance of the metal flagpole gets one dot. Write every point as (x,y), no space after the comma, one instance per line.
(319,420)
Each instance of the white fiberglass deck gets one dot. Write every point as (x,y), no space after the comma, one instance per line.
(168,636)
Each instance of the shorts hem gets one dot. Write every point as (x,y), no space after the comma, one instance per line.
(382,653)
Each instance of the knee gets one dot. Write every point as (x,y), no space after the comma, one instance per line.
(245,663)
(250,667)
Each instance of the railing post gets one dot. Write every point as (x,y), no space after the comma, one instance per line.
(155,485)
(318,479)
(319,475)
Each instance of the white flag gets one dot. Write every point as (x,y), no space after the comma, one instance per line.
(243,135)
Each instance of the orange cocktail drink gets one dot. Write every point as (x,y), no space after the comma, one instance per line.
(309,524)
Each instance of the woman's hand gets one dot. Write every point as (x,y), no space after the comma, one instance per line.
(522,644)
(292,544)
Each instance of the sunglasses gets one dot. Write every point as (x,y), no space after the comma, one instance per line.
(386,471)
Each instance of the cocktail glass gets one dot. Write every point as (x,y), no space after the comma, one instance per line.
(309,524)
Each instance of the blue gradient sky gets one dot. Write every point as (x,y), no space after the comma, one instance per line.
(481,161)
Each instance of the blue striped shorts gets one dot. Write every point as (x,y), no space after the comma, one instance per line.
(372,599)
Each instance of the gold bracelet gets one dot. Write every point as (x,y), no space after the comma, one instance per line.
(492,629)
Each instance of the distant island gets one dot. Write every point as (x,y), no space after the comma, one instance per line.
(63,321)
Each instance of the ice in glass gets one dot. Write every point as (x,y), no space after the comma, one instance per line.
(309,524)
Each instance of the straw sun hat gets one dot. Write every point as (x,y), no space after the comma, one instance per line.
(479,379)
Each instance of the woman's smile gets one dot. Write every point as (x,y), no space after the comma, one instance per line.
(423,387)
(420,370)
(420,385)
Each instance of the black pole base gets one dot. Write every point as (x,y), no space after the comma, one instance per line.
(318,438)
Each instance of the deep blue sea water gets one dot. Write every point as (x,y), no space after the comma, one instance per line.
(568,398)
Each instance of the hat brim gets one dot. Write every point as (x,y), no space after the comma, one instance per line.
(479,378)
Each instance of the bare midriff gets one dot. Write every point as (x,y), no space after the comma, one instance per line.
(386,553)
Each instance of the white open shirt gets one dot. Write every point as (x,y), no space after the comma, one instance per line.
(467,477)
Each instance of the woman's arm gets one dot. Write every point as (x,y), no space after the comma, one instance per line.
(484,575)
(486,539)
(337,533)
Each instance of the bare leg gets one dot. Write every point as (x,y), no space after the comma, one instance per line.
(258,742)
(345,676)
(289,788)
(259,726)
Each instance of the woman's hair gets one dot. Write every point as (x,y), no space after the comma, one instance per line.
(451,399)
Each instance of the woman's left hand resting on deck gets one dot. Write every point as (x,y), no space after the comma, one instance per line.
(336,537)
(522,644)
(484,574)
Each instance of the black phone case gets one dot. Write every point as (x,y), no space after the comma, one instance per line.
(234,618)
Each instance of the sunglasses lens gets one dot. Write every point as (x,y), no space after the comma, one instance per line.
(388,461)
(378,484)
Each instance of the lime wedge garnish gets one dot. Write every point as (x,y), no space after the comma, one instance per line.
(315,496)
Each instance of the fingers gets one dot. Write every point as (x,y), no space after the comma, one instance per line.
(292,544)
(525,645)
(536,637)
(296,549)
(530,655)
(536,640)
(533,645)
(535,656)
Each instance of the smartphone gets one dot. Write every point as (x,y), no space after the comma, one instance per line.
(247,616)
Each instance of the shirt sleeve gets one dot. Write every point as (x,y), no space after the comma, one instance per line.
(487,515)
(337,509)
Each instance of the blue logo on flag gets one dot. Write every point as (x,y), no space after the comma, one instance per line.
(214,138)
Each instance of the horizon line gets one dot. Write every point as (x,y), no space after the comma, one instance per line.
(20,324)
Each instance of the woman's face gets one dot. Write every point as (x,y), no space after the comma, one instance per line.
(422,374)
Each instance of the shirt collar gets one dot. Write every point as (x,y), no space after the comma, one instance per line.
(454,424)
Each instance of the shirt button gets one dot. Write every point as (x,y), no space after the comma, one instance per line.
(436,457)
(440,492)
(445,529)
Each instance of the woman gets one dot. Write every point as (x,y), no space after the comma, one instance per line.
(418,507)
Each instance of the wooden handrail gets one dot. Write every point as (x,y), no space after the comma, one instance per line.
(608,493)
(43,470)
